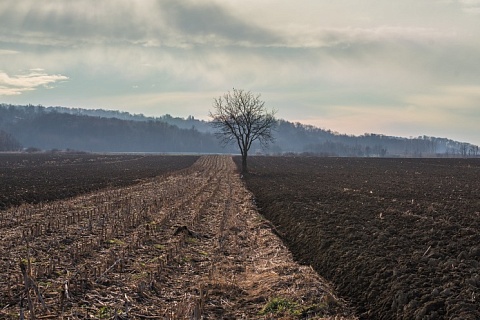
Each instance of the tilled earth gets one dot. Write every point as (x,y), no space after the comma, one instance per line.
(400,238)
(187,245)
(41,177)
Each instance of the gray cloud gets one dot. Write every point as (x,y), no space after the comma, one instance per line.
(68,23)
(211,21)
(171,23)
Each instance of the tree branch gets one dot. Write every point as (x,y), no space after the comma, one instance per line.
(242,117)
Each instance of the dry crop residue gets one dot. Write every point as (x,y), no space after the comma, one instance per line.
(185,245)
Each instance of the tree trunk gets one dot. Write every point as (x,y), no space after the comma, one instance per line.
(244,163)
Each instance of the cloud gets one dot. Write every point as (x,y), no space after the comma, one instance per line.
(59,23)
(310,60)
(16,85)
(7,52)
(150,23)
(345,37)
(210,22)
(452,100)
(470,6)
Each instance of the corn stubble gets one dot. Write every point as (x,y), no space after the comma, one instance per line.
(188,244)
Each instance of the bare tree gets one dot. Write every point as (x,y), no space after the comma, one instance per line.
(240,116)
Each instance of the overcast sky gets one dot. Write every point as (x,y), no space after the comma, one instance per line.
(407,68)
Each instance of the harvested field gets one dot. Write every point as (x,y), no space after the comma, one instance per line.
(34,178)
(187,245)
(400,238)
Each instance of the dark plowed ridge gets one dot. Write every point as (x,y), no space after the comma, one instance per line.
(34,178)
(400,238)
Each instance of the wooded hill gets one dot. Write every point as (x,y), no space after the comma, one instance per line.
(47,129)
(114,131)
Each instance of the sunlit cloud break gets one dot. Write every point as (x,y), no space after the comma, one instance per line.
(35,78)
(5,52)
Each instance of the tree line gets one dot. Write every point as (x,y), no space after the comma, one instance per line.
(8,142)
(35,127)
(307,139)
(115,131)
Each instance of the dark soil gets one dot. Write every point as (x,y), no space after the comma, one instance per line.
(34,178)
(399,238)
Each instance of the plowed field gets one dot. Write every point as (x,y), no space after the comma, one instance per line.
(186,245)
(35,178)
(400,238)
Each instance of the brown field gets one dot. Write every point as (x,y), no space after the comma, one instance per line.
(187,244)
(34,178)
(399,238)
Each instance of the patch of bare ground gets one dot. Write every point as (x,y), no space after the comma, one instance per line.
(185,245)
(399,238)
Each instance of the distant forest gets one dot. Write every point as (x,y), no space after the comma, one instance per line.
(51,129)
(59,128)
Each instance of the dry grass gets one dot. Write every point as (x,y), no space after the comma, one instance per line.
(185,245)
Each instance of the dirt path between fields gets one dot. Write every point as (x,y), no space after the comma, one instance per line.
(185,245)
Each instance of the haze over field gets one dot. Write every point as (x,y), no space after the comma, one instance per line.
(403,68)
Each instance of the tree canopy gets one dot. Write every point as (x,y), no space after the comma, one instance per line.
(241,117)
